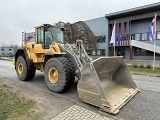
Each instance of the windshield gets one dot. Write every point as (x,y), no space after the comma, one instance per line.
(54,35)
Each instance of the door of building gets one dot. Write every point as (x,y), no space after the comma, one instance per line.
(121,52)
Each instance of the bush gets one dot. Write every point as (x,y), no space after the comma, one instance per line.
(141,66)
(135,65)
(2,55)
(148,66)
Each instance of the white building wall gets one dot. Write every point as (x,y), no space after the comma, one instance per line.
(6,51)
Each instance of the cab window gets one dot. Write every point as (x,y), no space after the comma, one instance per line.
(40,36)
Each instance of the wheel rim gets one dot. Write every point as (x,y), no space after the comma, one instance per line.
(53,75)
(20,68)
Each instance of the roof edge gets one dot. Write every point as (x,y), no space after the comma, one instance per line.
(133,9)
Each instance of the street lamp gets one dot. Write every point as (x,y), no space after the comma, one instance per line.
(23,38)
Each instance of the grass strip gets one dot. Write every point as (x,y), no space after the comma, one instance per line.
(14,107)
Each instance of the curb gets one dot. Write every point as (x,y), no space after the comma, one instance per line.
(6,59)
(145,74)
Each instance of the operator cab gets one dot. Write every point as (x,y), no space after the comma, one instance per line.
(48,34)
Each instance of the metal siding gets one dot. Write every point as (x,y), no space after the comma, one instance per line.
(99,26)
(141,26)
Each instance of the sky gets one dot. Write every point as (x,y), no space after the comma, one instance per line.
(17,16)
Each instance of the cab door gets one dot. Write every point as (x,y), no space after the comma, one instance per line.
(40,36)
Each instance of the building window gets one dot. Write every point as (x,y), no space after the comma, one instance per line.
(143,52)
(150,53)
(98,52)
(158,35)
(101,39)
(121,52)
(2,49)
(144,36)
(89,52)
(93,52)
(136,52)
(157,54)
(10,49)
(140,52)
(137,36)
(101,52)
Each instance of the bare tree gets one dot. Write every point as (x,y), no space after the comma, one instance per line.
(15,47)
(78,30)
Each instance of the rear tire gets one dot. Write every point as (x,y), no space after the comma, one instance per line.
(22,70)
(59,74)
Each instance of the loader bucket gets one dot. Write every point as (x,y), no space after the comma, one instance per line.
(107,84)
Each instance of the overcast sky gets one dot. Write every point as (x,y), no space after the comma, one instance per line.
(22,15)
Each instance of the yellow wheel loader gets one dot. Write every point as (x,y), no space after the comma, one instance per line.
(104,82)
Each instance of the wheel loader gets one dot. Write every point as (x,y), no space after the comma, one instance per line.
(104,82)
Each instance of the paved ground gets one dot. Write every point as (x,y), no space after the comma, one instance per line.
(79,113)
(144,106)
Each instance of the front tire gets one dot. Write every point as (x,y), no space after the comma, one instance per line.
(59,74)
(22,70)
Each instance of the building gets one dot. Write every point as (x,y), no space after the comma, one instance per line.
(132,37)
(6,51)
(100,28)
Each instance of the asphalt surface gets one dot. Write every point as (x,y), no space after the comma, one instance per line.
(144,106)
